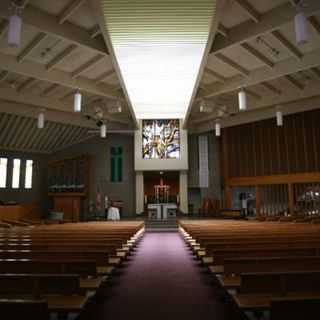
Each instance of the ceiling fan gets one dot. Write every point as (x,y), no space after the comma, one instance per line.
(98,118)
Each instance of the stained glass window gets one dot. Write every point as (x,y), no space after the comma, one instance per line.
(161,139)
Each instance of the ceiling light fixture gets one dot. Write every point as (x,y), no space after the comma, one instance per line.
(40,120)
(301,28)
(279,118)
(77,101)
(242,100)
(14,30)
(300,22)
(218,128)
(103,130)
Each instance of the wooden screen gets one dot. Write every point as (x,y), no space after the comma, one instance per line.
(261,148)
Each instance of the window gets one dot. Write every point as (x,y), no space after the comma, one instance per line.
(3,172)
(16,173)
(161,139)
(28,176)
(116,164)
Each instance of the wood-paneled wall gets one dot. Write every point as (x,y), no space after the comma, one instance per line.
(263,149)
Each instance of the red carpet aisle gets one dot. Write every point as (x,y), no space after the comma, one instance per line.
(162,281)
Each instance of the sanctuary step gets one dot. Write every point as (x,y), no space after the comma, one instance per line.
(169,224)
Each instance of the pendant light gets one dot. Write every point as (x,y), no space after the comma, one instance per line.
(119,107)
(242,100)
(279,117)
(103,131)
(77,101)
(40,120)
(14,30)
(218,128)
(301,28)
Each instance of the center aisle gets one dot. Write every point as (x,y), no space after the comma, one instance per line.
(162,281)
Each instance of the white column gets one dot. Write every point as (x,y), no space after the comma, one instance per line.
(139,192)
(183,191)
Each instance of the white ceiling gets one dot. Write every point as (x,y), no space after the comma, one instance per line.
(159,46)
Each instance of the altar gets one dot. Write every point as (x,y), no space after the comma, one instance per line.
(162,211)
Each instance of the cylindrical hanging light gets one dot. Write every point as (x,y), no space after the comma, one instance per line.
(14,30)
(40,122)
(279,117)
(77,101)
(103,131)
(301,28)
(119,107)
(218,128)
(242,100)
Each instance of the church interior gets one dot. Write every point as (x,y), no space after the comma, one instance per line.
(159,159)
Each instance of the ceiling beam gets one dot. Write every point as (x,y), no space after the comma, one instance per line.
(68,94)
(3,28)
(69,10)
(47,23)
(232,64)
(271,88)
(269,21)
(95,31)
(253,94)
(48,90)
(104,76)
(262,114)
(216,75)
(3,75)
(87,66)
(294,82)
(249,10)
(290,96)
(222,30)
(280,69)
(38,71)
(287,44)
(26,84)
(59,58)
(53,115)
(31,46)
(257,54)
(10,94)
(314,23)
(316,71)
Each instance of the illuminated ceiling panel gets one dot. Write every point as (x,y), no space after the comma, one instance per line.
(159,46)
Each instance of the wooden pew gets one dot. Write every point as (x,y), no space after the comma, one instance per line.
(233,268)
(17,309)
(61,291)
(257,289)
(4,225)
(294,308)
